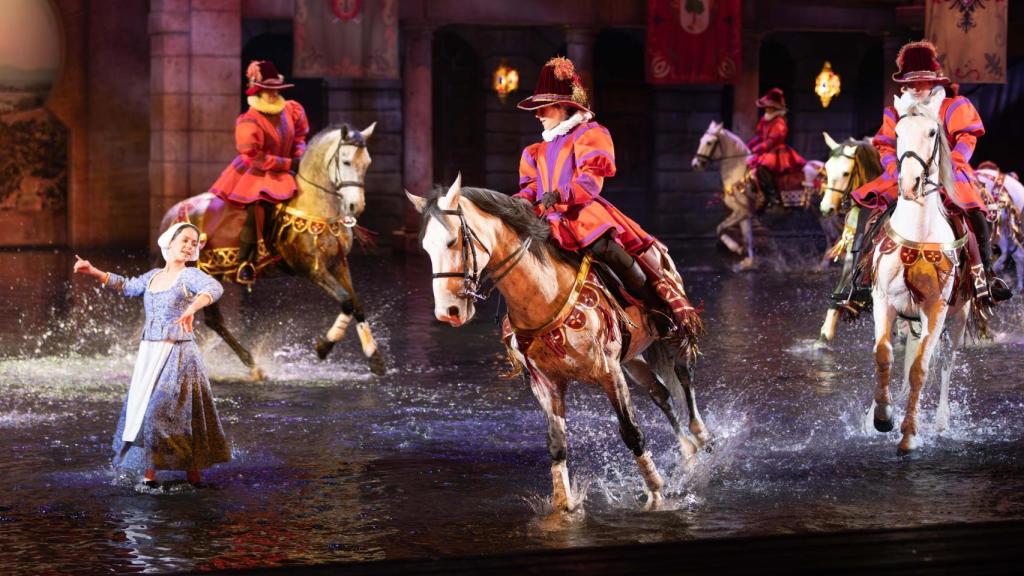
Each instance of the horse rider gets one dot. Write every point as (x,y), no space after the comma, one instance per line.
(562,177)
(270,137)
(920,73)
(777,166)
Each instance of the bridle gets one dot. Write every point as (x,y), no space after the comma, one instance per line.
(472,279)
(926,165)
(335,160)
(714,147)
(849,179)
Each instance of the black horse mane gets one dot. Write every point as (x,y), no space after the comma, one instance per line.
(514,212)
(868,162)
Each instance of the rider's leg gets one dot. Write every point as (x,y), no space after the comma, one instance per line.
(607,250)
(669,291)
(984,284)
(247,246)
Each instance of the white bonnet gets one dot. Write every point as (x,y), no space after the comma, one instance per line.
(164,242)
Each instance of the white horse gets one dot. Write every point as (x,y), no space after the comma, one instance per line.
(849,166)
(917,267)
(1007,195)
(720,144)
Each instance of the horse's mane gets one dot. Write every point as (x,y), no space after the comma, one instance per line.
(514,212)
(867,164)
(736,140)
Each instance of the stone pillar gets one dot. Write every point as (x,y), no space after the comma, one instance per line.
(580,49)
(169,26)
(417,127)
(745,92)
(195,79)
(890,48)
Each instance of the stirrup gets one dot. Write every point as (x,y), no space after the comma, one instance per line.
(251,279)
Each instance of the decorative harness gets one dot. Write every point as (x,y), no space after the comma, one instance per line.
(335,160)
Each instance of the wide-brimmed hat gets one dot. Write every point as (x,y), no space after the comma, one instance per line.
(263,75)
(919,62)
(773,98)
(558,84)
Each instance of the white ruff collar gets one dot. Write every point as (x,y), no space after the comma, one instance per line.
(566,125)
(774,113)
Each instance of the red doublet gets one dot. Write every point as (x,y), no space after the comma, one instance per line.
(770,150)
(267,145)
(963,127)
(574,165)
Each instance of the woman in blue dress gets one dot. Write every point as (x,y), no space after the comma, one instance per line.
(168,421)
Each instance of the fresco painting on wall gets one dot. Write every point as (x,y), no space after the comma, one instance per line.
(33,168)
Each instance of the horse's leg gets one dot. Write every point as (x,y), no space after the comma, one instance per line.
(1004,253)
(828,328)
(955,331)
(931,328)
(828,228)
(618,394)
(731,220)
(651,377)
(910,351)
(551,397)
(215,320)
(884,315)
(747,228)
(339,285)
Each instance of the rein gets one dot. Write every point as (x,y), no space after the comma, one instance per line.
(714,147)
(925,165)
(472,279)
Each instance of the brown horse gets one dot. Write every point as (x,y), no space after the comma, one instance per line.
(564,325)
(311,236)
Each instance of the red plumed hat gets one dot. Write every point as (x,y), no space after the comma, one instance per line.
(263,75)
(558,84)
(774,98)
(919,62)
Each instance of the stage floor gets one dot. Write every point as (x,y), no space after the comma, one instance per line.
(440,458)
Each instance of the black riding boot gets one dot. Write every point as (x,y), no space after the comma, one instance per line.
(855,297)
(247,247)
(996,289)
(607,250)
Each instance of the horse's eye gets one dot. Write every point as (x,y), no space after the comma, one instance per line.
(846,173)
(347,162)
(451,243)
(932,133)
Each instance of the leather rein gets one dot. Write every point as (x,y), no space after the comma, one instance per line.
(926,165)
(473,278)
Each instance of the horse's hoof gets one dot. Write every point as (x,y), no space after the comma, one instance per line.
(377,366)
(821,343)
(323,348)
(907,446)
(746,264)
(883,425)
(256,374)
(654,501)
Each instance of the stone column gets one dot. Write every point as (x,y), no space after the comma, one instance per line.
(417,127)
(169,26)
(745,92)
(580,49)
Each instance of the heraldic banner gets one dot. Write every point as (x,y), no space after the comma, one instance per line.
(970,36)
(346,38)
(693,41)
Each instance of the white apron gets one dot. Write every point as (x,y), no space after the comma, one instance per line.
(150,362)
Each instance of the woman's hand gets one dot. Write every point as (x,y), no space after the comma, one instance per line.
(85,267)
(186,319)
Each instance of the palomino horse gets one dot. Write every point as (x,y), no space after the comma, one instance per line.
(717,143)
(849,166)
(1006,194)
(917,267)
(311,236)
(579,332)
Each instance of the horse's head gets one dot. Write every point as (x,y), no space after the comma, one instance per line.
(839,170)
(921,147)
(338,162)
(458,256)
(710,147)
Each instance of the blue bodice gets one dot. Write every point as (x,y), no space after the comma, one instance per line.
(164,307)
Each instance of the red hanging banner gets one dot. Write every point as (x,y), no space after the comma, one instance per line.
(693,41)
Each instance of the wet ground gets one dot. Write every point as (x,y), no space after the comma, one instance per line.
(440,457)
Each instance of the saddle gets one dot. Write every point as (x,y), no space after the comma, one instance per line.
(220,224)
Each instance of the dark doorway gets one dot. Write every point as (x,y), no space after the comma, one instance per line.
(273,40)
(458,110)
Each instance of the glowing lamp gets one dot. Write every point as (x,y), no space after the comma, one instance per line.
(506,81)
(827,84)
